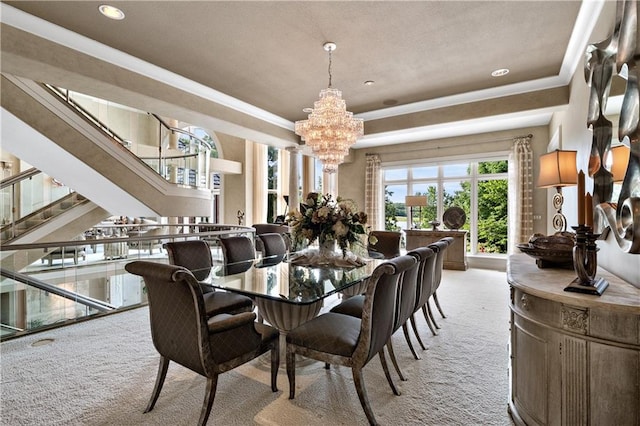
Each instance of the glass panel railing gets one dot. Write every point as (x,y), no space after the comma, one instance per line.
(64,282)
(24,196)
(26,308)
(178,155)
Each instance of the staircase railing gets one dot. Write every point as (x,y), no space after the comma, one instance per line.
(190,168)
(68,281)
(25,198)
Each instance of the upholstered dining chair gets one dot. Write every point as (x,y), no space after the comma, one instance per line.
(439,247)
(238,253)
(386,246)
(274,247)
(182,332)
(405,306)
(195,255)
(427,260)
(449,241)
(350,341)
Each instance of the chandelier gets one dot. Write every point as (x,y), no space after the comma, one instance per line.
(330,129)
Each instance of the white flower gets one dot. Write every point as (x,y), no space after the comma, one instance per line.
(324,211)
(340,229)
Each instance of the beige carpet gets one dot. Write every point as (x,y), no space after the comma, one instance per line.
(101,372)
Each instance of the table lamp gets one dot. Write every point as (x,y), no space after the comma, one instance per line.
(558,169)
(619,156)
(412,201)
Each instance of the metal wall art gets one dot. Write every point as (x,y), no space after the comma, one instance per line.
(619,51)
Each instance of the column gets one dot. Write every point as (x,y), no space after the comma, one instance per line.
(330,183)
(294,178)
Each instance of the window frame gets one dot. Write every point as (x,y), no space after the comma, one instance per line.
(473,177)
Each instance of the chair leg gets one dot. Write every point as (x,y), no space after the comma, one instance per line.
(162,373)
(385,368)
(426,318)
(435,298)
(431,317)
(275,365)
(291,372)
(405,330)
(362,395)
(392,355)
(412,318)
(212,384)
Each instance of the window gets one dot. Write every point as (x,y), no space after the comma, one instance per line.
(478,187)
(272,188)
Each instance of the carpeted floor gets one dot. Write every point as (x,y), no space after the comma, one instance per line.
(101,372)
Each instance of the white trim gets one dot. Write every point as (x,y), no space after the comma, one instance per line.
(41,28)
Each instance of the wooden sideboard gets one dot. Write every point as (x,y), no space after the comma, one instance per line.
(455,257)
(575,358)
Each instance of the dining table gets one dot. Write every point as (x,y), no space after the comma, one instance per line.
(288,292)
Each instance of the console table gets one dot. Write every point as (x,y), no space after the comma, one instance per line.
(575,358)
(455,257)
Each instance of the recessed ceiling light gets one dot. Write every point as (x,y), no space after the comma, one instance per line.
(500,72)
(111,12)
(369,83)
(307,110)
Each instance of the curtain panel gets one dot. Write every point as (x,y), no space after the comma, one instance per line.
(373,205)
(260,179)
(520,193)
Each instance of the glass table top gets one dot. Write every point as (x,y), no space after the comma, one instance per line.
(277,278)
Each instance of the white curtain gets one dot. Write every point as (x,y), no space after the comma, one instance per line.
(373,192)
(520,192)
(260,182)
(284,174)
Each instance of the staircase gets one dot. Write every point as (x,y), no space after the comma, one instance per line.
(68,147)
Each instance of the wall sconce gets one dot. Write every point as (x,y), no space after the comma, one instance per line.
(412,201)
(558,169)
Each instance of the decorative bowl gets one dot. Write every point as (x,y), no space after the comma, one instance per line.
(548,258)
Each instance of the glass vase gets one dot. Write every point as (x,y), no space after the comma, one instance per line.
(327,248)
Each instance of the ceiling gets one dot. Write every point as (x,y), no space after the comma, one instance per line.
(431,61)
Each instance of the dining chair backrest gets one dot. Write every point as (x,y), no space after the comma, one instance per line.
(237,249)
(379,309)
(195,255)
(407,290)
(439,247)
(427,261)
(273,244)
(384,244)
(238,253)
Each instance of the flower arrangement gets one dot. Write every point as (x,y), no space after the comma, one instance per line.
(324,219)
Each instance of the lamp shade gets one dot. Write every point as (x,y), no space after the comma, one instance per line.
(558,168)
(415,200)
(619,162)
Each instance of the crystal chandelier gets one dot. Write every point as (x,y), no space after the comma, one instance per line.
(330,129)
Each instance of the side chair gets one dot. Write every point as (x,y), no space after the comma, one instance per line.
(427,260)
(387,245)
(182,332)
(195,255)
(274,248)
(238,253)
(449,241)
(349,341)
(405,306)
(439,247)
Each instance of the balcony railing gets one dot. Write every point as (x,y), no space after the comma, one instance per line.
(69,281)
